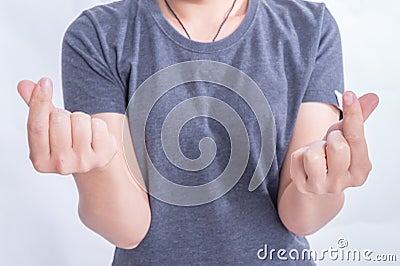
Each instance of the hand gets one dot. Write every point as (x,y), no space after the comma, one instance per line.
(61,142)
(341,159)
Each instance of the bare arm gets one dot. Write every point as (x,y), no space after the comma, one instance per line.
(111,202)
(318,169)
(304,213)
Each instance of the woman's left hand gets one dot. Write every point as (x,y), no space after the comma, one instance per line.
(340,160)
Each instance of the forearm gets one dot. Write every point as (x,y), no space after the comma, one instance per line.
(314,173)
(112,205)
(304,214)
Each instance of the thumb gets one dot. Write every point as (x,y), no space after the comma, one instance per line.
(368,103)
(32,92)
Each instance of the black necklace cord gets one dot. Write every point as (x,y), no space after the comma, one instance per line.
(184,28)
(223,22)
(176,16)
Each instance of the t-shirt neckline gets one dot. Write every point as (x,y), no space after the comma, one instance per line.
(202,47)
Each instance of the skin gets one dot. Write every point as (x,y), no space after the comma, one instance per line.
(111,202)
(202,18)
(325,156)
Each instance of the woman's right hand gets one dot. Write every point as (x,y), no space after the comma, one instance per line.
(61,142)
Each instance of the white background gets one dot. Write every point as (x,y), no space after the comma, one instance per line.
(39,225)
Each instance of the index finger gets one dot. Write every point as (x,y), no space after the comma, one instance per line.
(353,131)
(40,107)
(25,89)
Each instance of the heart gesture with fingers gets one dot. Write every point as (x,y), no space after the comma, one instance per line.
(61,142)
(340,160)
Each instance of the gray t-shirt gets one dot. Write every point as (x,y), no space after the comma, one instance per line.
(291,49)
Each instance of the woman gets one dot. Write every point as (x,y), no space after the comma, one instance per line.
(290,49)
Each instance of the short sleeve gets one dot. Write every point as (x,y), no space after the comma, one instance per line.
(89,84)
(327,73)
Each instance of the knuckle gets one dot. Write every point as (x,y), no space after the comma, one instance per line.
(38,164)
(311,156)
(359,181)
(295,155)
(353,137)
(58,118)
(37,127)
(60,164)
(336,133)
(368,167)
(79,117)
(97,122)
(362,173)
(99,127)
(339,147)
(298,153)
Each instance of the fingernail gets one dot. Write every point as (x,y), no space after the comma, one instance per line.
(348,98)
(45,84)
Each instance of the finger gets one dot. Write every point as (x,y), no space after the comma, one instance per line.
(25,89)
(60,138)
(353,120)
(315,166)
(338,156)
(368,103)
(81,132)
(297,173)
(38,120)
(336,126)
(102,142)
(353,131)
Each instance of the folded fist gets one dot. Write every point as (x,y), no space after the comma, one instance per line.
(61,142)
(341,159)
